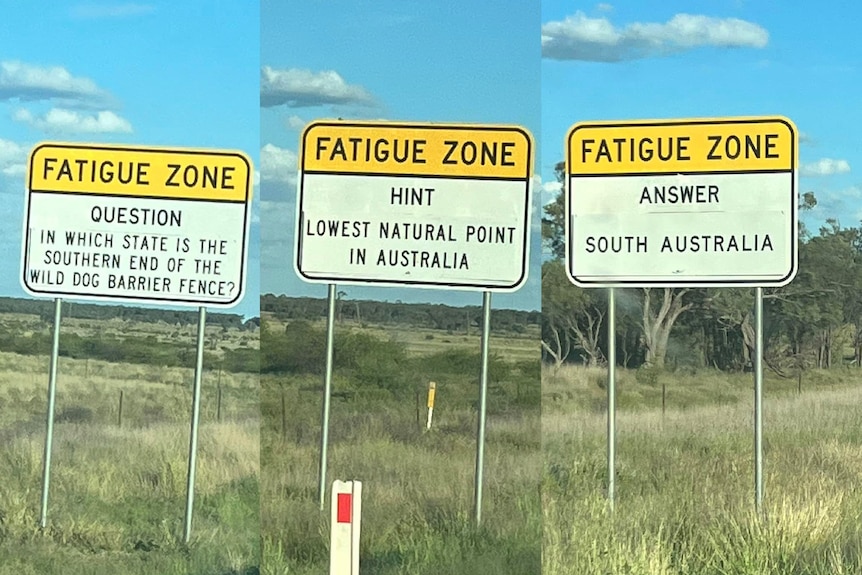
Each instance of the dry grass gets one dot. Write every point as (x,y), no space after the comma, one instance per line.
(117,494)
(685,479)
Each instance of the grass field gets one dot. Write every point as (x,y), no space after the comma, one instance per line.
(423,341)
(417,486)
(685,480)
(118,488)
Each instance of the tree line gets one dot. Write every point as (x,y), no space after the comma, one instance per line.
(808,323)
(421,315)
(45,310)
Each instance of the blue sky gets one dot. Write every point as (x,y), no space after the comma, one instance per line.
(181,74)
(639,60)
(442,61)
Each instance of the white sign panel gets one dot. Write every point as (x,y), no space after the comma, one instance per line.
(414,205)
(682,203)
(143,225)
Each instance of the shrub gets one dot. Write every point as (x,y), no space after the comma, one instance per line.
(301,348)
(463,361)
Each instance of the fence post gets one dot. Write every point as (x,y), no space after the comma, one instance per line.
(283,417)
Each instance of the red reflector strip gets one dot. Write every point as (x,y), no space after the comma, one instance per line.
(344,504)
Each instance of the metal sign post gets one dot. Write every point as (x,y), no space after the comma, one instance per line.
(612,398)
(196,414)
(49,431)
(483,404)
(327,393)
(758,398)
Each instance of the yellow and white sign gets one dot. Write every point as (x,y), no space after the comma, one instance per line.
(693,202)
(425,205)
(137,224)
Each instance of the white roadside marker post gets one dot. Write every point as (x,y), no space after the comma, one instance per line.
(346,505)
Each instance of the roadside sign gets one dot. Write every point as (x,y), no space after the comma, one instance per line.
(422,205)
(137,224)
(675,203)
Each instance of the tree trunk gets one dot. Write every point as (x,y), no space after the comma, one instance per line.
(747,340)
(657,354)
(625,349)
(658,325)
(560,350)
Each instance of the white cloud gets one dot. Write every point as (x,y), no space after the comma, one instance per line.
(841,205)
(580,37)
(295,123)
(552,187)
(825,167)
(26,82)
(255,208)
(13,158)
(278,165)
(14,170)
(604,7)
(303,88)
(94,11)
(60,120)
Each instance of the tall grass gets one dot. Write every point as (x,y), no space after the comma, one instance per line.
(117,492)
(685,481)
(418,491)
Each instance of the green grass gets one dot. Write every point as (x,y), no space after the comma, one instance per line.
(117,493)
(684,481)
(417,487)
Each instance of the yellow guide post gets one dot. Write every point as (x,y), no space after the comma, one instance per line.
(432,390)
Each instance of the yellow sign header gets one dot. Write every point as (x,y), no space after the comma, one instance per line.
(214,175)
(672,146)
(480,151)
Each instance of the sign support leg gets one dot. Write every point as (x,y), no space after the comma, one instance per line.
(758,398)
(327,392)
(483,403)
(612,400)
(196,412)
(49,430)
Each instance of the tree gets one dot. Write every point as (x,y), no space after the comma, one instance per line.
(553,221)
(659,318)
(571,317)
(339,299)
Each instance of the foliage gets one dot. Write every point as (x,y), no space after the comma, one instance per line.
(713,327)
(420,315)
(146,350)
(366,361)
(572,318)
(45,310)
